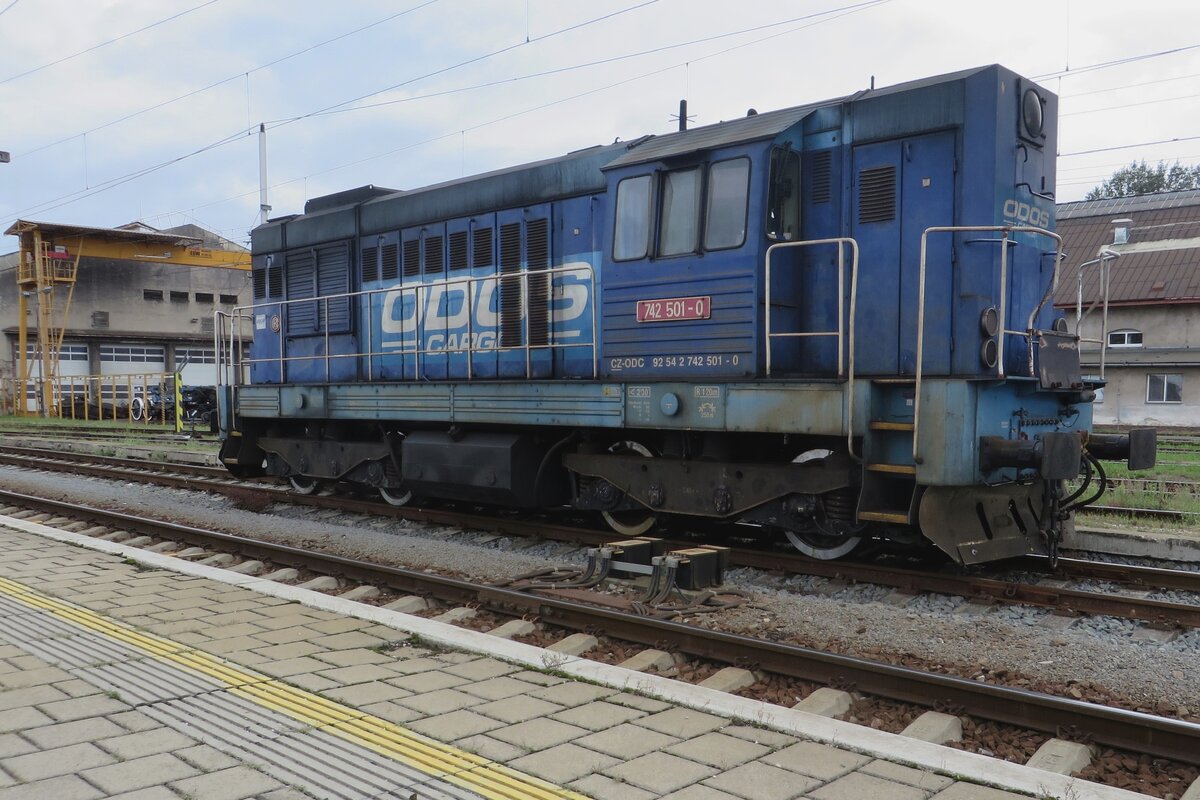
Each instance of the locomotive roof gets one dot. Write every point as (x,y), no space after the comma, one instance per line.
(747,129)
(573,174)
(757,127)
(577,173)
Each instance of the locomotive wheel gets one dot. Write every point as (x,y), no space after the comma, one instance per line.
(302,484)
(633,522)
(825,539)
(823,546)
(396,497)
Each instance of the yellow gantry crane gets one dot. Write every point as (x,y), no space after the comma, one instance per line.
(48,265)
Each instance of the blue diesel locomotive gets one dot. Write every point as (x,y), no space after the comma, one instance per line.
(829,322)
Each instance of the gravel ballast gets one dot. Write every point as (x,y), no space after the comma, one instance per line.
(1101,654)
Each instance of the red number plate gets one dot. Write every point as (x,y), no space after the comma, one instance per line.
(674,308)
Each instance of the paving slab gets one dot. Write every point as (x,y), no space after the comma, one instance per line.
(585,728)
(661,772)
(759,781)
(862,786)
(718,750)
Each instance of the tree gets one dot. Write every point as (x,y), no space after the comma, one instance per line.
(1140,178)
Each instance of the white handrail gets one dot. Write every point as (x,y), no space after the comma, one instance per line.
(1005,230)
(844,358)
(419,292)
(1106,255)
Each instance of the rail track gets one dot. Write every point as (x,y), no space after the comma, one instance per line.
(896,574)
(1134,731)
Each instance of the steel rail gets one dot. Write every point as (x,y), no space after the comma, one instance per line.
(1128,730)
(1138,575)
(1062,599)
(146,465)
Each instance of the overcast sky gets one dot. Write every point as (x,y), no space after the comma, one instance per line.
(160,124)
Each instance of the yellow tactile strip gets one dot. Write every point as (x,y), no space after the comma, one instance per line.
(441,761)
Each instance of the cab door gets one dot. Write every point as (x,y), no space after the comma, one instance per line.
(901,188)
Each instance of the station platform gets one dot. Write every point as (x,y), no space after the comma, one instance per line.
(135,675)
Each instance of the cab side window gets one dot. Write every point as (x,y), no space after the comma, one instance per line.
(631,239)
(679,226)
(728,191)
(783,200)
(678,204)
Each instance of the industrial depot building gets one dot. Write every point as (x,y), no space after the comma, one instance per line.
(134,308)
(1147,249)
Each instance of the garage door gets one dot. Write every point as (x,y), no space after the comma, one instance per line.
(72,362)
(199,365)
(127,359)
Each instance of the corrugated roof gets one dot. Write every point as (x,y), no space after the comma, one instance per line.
(1159,264)
(1120,205)
(51,230)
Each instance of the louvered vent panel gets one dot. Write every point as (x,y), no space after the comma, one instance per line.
(434,254)
(510,288)
(412,258)
(391,262)
(300,281)
(458,250)
(877,194)
(537,248)
(483,256)
(260,283)
(333,278)
(370,264)
(275,280)
(822,177)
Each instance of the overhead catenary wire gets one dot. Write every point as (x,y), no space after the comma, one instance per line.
(839,13)
(106,43)
(112,183)
(1117,62)
(243,74)
(588,64)
(472,60)
(829,15)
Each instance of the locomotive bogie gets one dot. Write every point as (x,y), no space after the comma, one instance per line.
(828,322)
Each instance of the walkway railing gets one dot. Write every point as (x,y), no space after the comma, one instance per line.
(135,397)
(845,344)
(1005,231)
(233,366)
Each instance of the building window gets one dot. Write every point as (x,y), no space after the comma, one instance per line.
(1125,339)
(195,355)
(1164,388)
(632,236)
(228,299)
(69,352)
(152,294)
(179,297)
(728,189)
(134,354)
(204,297)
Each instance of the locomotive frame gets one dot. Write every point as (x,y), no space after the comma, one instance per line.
(672,327)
